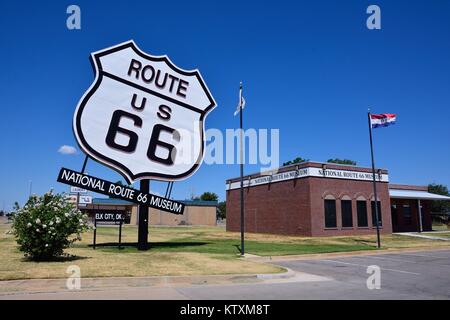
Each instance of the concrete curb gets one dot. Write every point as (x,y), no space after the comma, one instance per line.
(31,286)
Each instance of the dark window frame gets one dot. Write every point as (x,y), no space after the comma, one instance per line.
(346,213)
(407,219)
(359,214)
(330,216)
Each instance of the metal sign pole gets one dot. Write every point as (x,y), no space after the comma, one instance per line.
(95,232)
(242,175)
(120,235)
(143,218)
(374,184)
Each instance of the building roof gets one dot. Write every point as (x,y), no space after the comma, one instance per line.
(306,164)
(120,202)
(112,201)
(200,203)
(415,194)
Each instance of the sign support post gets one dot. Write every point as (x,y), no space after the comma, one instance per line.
(374,184)
(242,171)
(143,217)
(120,235)
(95,232)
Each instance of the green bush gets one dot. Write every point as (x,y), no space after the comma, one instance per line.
(47,225)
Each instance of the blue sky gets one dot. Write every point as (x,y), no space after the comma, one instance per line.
(310,69)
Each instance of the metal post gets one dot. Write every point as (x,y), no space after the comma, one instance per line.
(95,232)
(419,210)
(84,164)
(143,218)
(120,234)
(242,174)
(374,183)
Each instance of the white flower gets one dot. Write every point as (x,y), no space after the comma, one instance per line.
(51,223)
(44,226)
(38,221)
(37,230)
(81,220)
(28,224)
(66,214)
(46,245)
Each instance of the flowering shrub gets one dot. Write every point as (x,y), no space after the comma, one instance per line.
(47,225)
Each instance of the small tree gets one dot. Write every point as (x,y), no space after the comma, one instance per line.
(296,160)
(45,224)
(222,210)
(209,196)
(439,206)
(342,161)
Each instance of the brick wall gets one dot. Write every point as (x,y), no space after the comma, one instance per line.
(296,207)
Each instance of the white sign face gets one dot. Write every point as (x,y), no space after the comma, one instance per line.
(310,172)
(85,200)
(77,190)
(143,116)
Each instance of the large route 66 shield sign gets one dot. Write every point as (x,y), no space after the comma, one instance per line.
(143,116)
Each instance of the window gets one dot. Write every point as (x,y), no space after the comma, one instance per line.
(407,214)
(346,212)
(361,208)
(374,220)
(394,213)
(330,213)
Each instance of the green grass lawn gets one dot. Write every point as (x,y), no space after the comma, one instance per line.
(183,251)
(440,227)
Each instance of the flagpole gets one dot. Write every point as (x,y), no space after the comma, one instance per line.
(242,170)
(374,182)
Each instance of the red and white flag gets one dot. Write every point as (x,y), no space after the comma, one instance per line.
(382,120)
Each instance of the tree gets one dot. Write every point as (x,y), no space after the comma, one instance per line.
(296,160)
(209,196)
(439,206)
(222,210)
(342,161)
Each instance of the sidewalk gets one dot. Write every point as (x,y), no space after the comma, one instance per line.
(274,259)
(419,235)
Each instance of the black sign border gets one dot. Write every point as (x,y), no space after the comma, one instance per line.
(113,164)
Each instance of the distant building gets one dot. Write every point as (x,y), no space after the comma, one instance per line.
(196,212)
(325,199)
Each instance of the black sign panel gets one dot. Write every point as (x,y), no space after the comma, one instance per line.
(113,190)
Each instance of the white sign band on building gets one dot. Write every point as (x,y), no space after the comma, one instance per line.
(309,172)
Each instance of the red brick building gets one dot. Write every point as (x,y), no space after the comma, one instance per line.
(324,199)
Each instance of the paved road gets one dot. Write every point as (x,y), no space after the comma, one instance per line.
(409,275)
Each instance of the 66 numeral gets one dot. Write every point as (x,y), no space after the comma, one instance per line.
(133,138)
